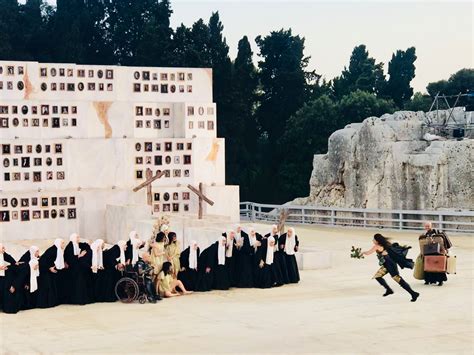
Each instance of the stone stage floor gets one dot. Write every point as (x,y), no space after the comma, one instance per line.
(333,311)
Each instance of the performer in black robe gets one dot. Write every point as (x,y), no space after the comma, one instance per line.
(432,235)
(14,287)
(78,256)
(32,252)
(188,260)
(114,264)
(51,264)
(389,256)
(238,244)
(218,259)
(98,271)
(230,258)
(279,262)
(266,274)
(245,261)
(30,293)
(205,277)
(6,260)
(134,244)
(289,244)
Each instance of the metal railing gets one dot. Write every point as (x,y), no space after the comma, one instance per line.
(447,220)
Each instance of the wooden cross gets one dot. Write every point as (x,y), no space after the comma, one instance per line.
(202,197)
(149,179)
(283,217)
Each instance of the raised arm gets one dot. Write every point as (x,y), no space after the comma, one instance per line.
(370,251)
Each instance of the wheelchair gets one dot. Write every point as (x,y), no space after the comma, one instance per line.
(132,285)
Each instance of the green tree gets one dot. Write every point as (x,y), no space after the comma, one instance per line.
(363,74)
(307,134)
(359,105)
(460,82)
(10,31)
(401,70)
(283,90)
(419,102)
(155,46)
(241,130)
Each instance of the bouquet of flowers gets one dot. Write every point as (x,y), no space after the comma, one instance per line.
(356,253)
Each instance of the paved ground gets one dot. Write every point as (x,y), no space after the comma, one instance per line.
(339,310)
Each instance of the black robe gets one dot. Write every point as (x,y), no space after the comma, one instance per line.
(129,252)
(279,263)
(245,263)
(9,259)
(221,273)
(231,265)
(17,276)
(205,279)
(187,276)
(107,279)
(49,283)
(291,264)
(266,275)
(79,275)
(25,258)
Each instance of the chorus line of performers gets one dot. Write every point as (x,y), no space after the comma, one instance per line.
(82,273)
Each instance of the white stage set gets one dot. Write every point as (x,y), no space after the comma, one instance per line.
(77,139)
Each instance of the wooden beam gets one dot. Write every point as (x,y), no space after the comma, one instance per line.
(200,194)
(149,181)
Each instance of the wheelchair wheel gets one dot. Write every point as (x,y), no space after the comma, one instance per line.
(126,290)
(142,299)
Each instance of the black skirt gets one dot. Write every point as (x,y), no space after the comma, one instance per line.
(292,268)
(189,279)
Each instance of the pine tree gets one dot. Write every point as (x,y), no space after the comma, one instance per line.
(401,70)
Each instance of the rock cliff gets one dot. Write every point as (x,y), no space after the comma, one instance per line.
(385,163)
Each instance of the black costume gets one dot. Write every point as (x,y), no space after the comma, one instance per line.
(245,263)
(279,261)
(49,283)
(8,259)
(14,292)
(396,254)
(290,260)
(107,278)
(188,276)
(205,279)
(79,275)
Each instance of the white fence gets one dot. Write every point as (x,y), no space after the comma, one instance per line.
(448,220)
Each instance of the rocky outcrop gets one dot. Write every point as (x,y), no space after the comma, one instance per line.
(385,163)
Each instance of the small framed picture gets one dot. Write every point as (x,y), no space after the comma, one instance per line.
(4,216)
(44,202)
(109,74)
(34,201)
(72,200)
(177,160)
(138,160)
(36,176)
(59,161)
(166,207)
(156,196)
(175,207)
(56,122)
(54,214)
(49,175)
(15,215)
(60,175)
(71,213)
(36,214)
(186,195)
(24,202)
(45,214)
(62,213)
(156,207)
(25,215)
(148,146)
(54,201)
(58,148)
(4,202)
(139,174)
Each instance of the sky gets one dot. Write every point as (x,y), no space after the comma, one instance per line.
(441,31)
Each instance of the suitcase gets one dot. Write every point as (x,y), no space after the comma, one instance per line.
(451,265)
(435,263)
(431,248)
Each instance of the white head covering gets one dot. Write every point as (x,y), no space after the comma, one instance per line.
(221,251)
(59,262)
(74,239)
(33,249)
(136,242)
(290,242)
(97,261)
(270,251)
(252,237)
(192,255)
(164,228)
(238,235)
(229,244)
(2,260)
(274,226)
(33,275)
(122,244)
